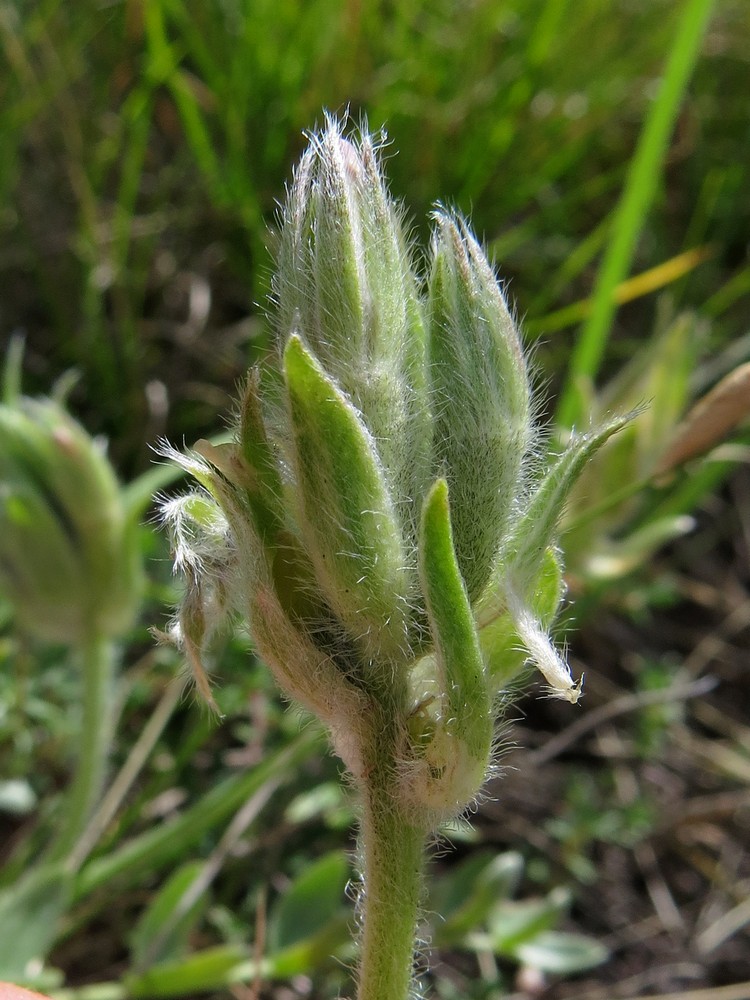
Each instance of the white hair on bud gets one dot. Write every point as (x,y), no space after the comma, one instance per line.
(543,653)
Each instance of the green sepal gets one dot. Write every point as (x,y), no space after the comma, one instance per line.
(346,511)
(517,608)
(454,632)
(264,490)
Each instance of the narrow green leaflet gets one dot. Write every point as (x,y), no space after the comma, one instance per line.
(452,624)
(466,894)
(535,530)
(459,732)
(164,928)
(561,954)
(353,536)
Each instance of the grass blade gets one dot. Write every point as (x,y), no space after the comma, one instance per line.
(630,215)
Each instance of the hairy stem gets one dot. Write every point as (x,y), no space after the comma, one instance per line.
(392,848)
(97,660)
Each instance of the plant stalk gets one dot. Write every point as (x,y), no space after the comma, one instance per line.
(97,660)
(392,849)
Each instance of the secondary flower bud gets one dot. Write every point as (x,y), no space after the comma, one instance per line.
(69,560)
(480,398)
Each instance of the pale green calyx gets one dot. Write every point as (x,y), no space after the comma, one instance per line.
(383,519)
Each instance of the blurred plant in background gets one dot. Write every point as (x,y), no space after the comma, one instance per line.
(70,560)
(71,567)
(635,495)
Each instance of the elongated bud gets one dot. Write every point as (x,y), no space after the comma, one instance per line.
(480,397)
(346,285)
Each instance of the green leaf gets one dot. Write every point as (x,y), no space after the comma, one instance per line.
(212,969)
(512,924)
(643,179)
(166,842)
(306,958)
(465,896)
(30,916)
(162,932)
(325,802)
(312,901)
(561,953)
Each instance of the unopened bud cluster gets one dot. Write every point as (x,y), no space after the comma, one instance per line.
(382,520)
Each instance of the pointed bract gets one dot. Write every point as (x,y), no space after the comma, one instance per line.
(451,752)
(535,530)
(385,522)
(347,514)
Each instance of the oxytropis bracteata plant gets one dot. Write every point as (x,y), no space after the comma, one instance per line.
(383,520)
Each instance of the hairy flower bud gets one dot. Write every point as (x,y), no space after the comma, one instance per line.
(381,520)
(345,283)
(480,397)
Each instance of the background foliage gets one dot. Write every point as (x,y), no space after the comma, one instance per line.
(143,148)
